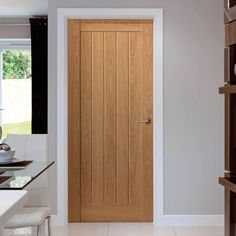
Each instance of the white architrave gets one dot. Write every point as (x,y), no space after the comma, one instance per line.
(62,90)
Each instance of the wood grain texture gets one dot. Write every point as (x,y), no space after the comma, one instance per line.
(116,76)
(135,113)
(110,78)
(86,117)
(227,132)
(123,22)
(227,213)
(226,67)
(227,89)
(228,184)
(110,213)
(74,121)
(230,34)
(147,113)
(97,118)
(113,25)
(123,118)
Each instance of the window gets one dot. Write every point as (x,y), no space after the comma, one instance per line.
(15,87)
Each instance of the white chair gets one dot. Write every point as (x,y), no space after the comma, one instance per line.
(38,207)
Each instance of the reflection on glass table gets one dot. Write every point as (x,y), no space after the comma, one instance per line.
(17,179)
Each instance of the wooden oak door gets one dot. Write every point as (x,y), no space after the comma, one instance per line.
(110,120)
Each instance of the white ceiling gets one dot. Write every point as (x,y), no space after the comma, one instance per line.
(23,7)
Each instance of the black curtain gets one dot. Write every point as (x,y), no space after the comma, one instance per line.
(39,51)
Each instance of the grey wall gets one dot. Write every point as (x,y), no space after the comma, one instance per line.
(193,110)
(14,32)
(23,7)
(14,28)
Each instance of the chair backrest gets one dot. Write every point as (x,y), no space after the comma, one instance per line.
(33,147)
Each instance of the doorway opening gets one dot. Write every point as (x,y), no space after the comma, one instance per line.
(110,120)
(62,98)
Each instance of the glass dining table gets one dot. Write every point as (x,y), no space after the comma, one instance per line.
(17,178)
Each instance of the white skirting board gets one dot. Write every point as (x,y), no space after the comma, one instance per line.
(173,220)
(190,220)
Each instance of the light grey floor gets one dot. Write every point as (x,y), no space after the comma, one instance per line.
(134,229)
(125,229)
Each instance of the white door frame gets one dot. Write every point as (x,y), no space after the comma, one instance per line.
(62,90)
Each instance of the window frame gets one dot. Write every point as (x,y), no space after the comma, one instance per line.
(15,44)
(10,45)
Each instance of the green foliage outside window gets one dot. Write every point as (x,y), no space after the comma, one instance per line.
(16,64)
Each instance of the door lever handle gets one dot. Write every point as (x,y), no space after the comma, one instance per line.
(147,121)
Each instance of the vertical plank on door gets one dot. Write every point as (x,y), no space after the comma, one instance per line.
(86,118)
(110,121)
(123,117)
(97,118)
(135,170)
(74,120)
(147,131)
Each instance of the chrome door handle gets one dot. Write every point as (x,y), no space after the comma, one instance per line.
(147,121)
